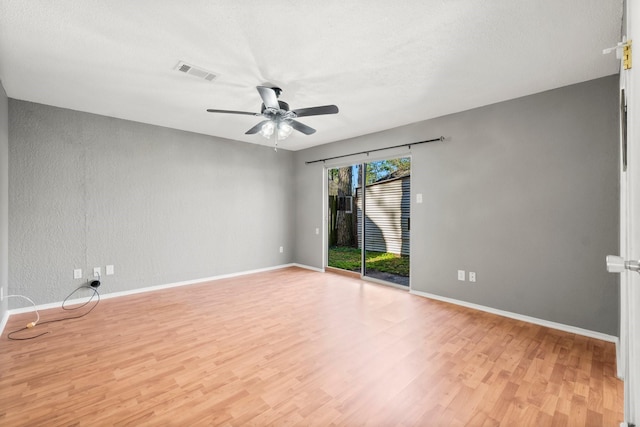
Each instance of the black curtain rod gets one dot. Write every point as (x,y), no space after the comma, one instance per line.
(377,149)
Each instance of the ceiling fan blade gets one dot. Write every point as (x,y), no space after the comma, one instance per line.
(211,110)
(316,111)
(256,128)
(269,97)
(302,127)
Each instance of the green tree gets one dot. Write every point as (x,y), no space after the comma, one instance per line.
(344,220)
(380,170)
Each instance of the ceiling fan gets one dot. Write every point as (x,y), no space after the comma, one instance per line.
(278,118)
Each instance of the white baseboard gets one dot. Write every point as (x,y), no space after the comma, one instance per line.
(193,282)
(620,370)
(307,267)
(522,317)
(4,320)
(145,289)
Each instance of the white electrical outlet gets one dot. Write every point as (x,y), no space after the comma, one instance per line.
(109,271)
(77,273)
(419,198)
(281,249)
(472,276)
(97,272)
(317,231)
(461,275)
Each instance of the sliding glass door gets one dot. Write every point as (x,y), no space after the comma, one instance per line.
(344,250)
(386,197)
(369,207)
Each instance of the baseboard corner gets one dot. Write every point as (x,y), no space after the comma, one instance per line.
(307,267)
(3,322)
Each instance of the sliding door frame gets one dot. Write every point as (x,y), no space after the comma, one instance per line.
(362,161)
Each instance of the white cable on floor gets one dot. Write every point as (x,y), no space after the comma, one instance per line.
(32,324)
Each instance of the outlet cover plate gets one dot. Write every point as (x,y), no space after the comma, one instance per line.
(461,275)
(97,272)
(472,276)
(77,273)
(109,270)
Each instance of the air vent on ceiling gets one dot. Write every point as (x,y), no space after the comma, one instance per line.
(201,73)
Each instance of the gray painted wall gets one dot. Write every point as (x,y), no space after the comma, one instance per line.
(161,205)
(4,196)
(523,192)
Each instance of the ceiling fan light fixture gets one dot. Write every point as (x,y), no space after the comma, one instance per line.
(284,130)
(267,129)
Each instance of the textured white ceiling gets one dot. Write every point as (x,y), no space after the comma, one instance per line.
(383,63)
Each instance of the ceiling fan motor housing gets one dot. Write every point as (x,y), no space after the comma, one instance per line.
(283,106)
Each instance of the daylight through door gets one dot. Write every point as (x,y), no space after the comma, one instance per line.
(369,207)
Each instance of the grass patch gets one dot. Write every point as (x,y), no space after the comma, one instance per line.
(349,259)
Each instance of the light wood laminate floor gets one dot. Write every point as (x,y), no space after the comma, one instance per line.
(296,347)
